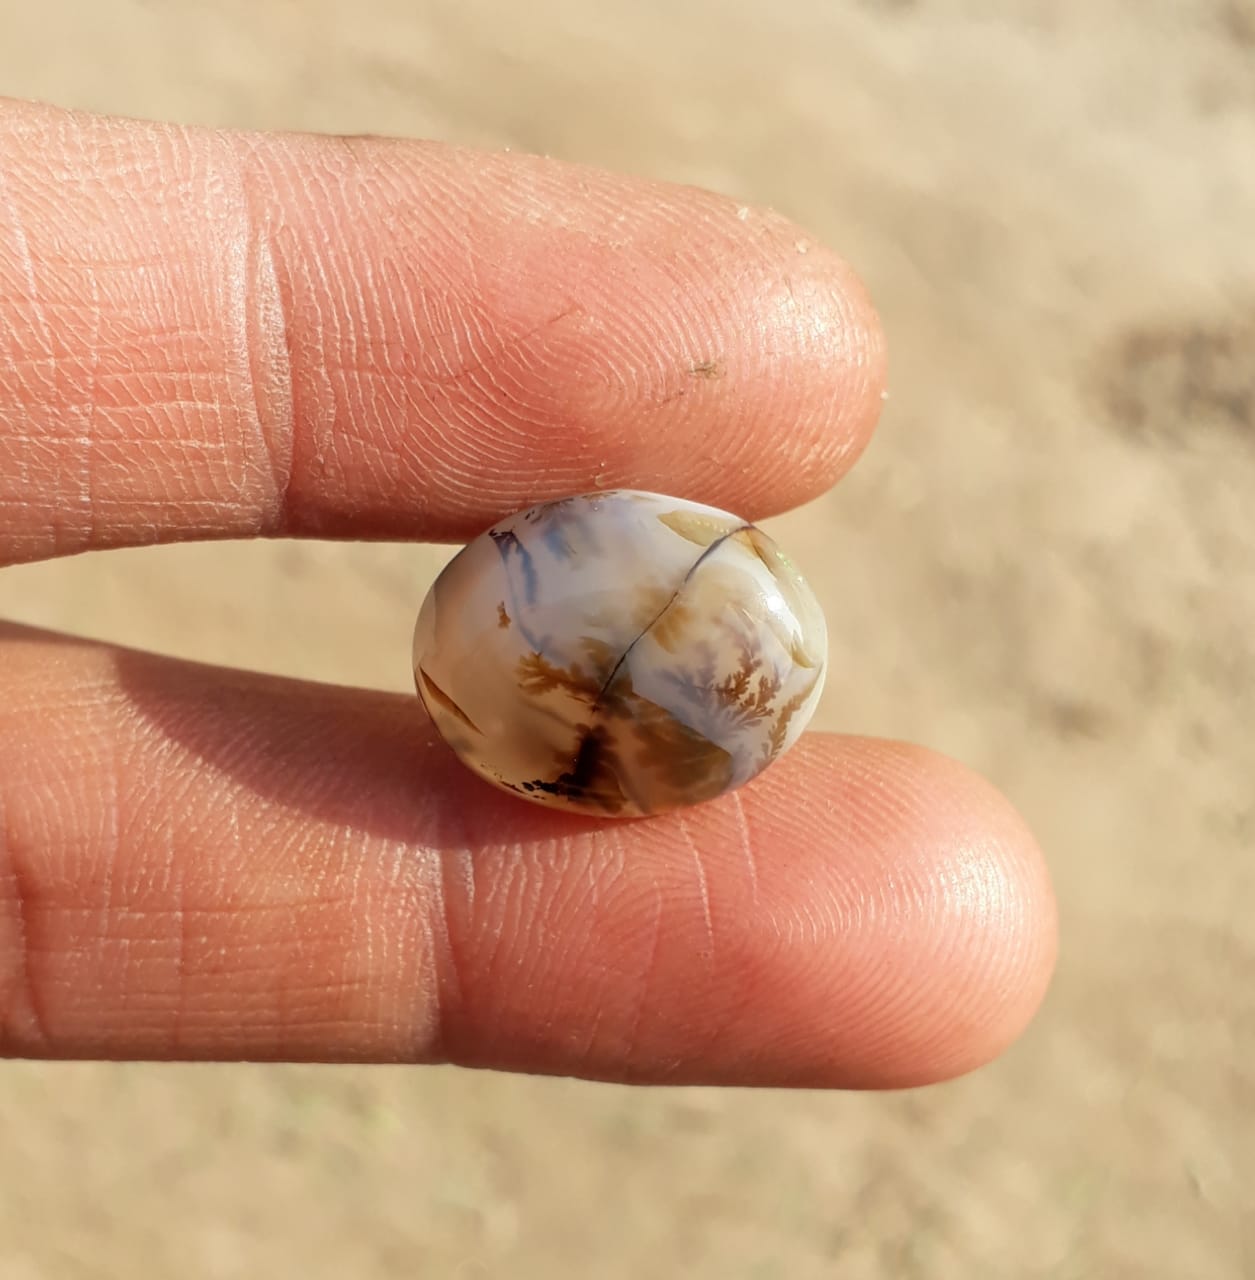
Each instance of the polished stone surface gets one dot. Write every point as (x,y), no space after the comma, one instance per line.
(622,652)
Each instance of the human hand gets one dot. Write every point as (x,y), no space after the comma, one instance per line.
(216,335)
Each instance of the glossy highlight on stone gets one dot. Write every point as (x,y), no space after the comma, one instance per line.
(620,653)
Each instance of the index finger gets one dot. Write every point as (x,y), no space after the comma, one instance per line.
(208,334)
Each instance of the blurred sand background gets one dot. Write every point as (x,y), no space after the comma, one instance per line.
(1043,566)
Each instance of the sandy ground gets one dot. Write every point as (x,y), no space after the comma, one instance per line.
(1044,566)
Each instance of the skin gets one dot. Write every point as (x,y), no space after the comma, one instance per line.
(222,335)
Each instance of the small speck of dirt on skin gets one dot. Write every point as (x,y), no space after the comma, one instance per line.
(707,369)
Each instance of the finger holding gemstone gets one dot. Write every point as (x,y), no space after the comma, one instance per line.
(621,653)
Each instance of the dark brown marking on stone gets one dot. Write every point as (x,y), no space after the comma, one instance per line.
(783,718)
(593,777)
(446,703)
(536,674)
(749,691)
(588,759)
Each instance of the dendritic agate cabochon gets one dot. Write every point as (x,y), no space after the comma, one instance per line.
(620,653)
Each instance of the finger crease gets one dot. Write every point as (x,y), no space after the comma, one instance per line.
(264,313)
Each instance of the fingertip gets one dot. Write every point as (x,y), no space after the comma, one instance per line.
(744,361)
(817,364)
(877,917)
(568,329)
(949,924)
(993,934)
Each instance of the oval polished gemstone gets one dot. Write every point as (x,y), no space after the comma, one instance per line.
(620,653)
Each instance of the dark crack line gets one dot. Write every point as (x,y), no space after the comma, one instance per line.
(675,595)
(583,741)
